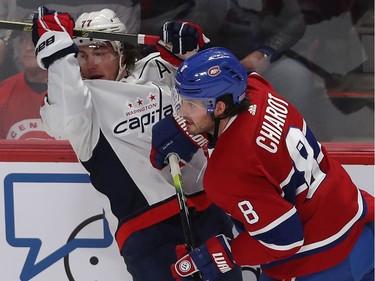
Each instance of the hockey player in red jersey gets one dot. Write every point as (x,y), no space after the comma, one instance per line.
(107,117)
(299,214)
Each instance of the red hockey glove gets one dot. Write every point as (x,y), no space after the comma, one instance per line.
(169,136)
(183,37)
(181,251)
(52,36)
(211,259)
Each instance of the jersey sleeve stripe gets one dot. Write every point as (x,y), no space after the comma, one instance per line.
(282,247)
(275,223)
(339,234)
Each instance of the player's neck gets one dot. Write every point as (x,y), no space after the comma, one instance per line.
(223,124)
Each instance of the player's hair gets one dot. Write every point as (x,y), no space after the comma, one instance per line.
(232,108)
(131,54)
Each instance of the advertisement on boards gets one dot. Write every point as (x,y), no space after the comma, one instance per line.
(56,226)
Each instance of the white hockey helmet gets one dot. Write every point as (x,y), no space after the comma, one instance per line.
(105,20)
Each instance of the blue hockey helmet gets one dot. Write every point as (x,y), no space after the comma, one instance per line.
(210,74)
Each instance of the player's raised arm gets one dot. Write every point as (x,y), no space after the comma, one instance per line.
(67,107)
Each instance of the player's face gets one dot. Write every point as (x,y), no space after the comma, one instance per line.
(198,121)
(98,61)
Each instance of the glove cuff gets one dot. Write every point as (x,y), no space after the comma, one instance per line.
(220,250)
(52,46)
(168,55)
(73,49)
(202,39)
(270,53)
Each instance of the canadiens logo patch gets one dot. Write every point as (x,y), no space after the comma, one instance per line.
(214,71)
(184,266)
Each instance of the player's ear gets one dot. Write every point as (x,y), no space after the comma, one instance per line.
(220,108)
(122,72)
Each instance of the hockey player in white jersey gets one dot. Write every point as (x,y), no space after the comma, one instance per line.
(107,116)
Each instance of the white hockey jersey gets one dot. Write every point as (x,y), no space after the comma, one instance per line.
(108,124)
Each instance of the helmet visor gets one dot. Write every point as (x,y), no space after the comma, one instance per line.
(188,106)
(96,53)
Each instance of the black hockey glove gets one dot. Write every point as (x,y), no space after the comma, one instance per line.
(184,36)
(180,38)
(169,136)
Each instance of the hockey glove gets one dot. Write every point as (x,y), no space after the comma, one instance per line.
(169,136)
(52,36)
(182,37)
(211,259)
(181,251)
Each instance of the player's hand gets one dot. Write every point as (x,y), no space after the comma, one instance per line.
(210,259)
(52,36)
(256,61)
(180,40)
(169,136)
(181,251)
(184,36)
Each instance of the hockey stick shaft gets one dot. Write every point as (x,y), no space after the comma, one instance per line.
(184,211)
(122,37)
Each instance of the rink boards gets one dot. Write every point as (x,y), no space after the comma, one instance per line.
(55,226)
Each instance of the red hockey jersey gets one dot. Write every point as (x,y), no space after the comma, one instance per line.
(298,208)
(19,110)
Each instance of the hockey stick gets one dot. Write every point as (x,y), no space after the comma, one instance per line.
(173,160)
(122,37)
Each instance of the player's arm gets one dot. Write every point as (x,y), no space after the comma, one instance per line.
(278,236)
(66,111)
(270,224)
(266,235)
(281,30)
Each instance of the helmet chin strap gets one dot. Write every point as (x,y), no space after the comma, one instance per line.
(121,68)
(213,138)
